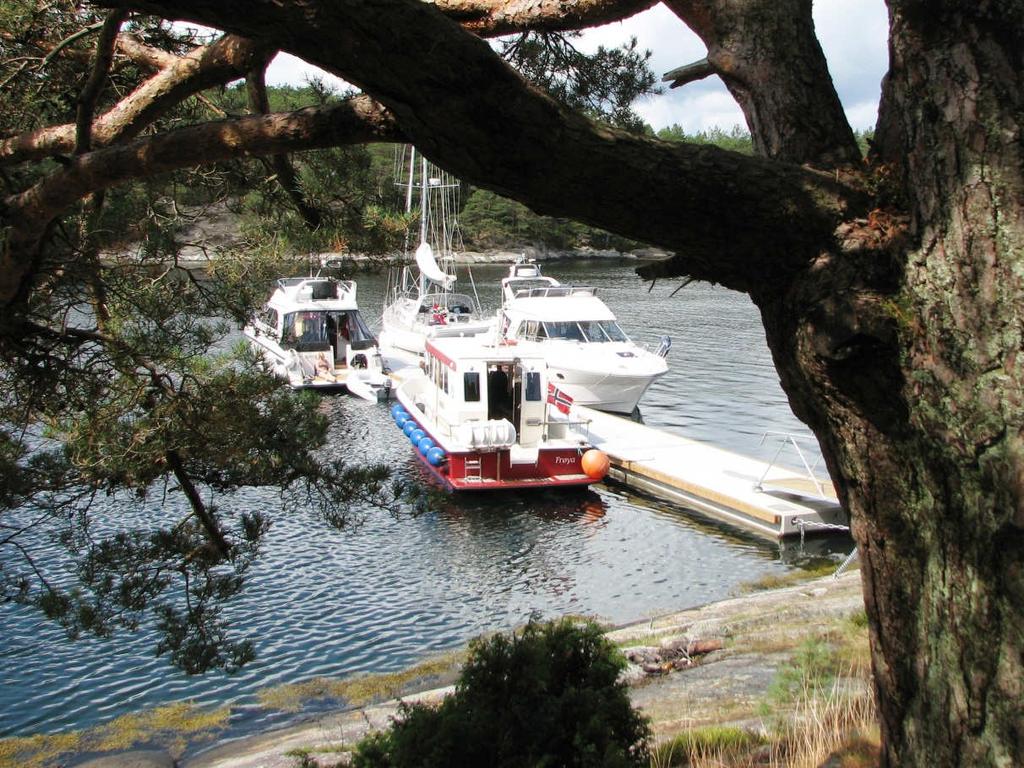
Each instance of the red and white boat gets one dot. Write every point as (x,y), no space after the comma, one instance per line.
(482,416)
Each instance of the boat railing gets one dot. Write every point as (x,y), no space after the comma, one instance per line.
(664,346)
(569,424)
(808,484)
(555,291)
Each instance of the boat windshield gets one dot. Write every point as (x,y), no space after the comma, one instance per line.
(320,327)
(584,330)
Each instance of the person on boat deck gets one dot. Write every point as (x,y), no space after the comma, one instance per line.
(439,316)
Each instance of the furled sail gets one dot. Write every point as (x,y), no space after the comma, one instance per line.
(429,268)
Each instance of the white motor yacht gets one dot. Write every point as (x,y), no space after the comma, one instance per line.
(589,356)
(311,334)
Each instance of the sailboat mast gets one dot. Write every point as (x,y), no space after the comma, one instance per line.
(424,199)
(424,213)
(412,178)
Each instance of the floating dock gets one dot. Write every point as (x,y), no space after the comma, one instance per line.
(758,496)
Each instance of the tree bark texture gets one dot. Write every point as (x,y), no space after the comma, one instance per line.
(944,567)
(903,351)
(490,18)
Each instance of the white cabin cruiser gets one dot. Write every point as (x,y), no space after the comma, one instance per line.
(311,334)
(590,357)
(483,416)
(422,303)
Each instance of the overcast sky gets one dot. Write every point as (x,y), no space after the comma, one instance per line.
(852,33)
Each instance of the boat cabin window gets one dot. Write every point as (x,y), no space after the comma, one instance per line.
(532,330)
(305,328)
(570,331)
(471,387)
(438,373)
(602,330)
(532,385)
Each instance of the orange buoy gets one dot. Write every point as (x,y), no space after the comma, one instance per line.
(595,463)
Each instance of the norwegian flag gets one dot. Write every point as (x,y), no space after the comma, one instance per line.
(558,398)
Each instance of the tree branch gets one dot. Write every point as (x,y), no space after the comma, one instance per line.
(469,111)
(491,18)
(204,67)
(26,216)
(281,166)
(128,45)
(69,40)
(689,73)
(97,76)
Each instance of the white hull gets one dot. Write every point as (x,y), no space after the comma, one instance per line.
(617,393)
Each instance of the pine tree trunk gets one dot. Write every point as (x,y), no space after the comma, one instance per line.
(912,376)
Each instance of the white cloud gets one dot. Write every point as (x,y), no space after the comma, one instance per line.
(694,110)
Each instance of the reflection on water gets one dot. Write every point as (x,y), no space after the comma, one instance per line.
(395,589)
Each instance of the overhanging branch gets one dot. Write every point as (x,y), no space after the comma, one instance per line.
(204,67)
(473,114)
(97,76)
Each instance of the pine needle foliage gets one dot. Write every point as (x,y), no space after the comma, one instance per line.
(548,695)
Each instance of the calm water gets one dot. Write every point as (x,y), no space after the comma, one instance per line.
(395,590)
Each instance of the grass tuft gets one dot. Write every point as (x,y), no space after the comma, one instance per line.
(698,744)
(791,578)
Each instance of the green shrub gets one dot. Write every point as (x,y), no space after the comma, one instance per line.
(546,696)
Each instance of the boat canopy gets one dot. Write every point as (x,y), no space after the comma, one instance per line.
(578,306)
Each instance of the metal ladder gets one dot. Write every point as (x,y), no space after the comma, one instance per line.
(473,468)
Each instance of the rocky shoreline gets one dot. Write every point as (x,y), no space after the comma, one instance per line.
(708,665)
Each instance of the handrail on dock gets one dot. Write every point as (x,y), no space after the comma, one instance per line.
(789,439)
